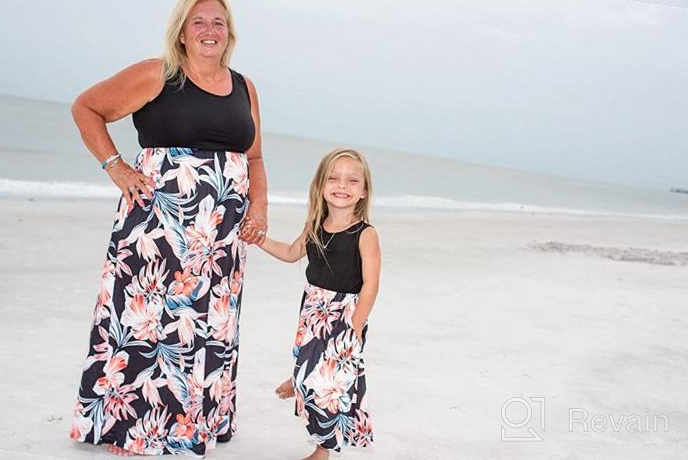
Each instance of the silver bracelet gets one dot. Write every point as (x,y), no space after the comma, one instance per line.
(112,164)
(110,159)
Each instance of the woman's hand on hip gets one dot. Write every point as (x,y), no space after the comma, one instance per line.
(255,225)
(132,183)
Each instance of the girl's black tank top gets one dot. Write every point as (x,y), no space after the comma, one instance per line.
(192,117)
(340,270)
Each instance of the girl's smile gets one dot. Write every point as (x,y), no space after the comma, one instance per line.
(345,183)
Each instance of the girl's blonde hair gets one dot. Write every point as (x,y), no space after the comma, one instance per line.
(175,55)
(317,206)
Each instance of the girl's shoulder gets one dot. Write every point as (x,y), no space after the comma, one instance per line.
(368,229)
(361,226)
(356,231)
(368,234)
(369,243)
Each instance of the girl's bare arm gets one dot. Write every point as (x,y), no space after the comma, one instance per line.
(284,251)
(369,246)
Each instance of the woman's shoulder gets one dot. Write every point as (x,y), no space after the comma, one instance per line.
(151,68)
(147,76)
(244,79)
(152,62)
(127,91)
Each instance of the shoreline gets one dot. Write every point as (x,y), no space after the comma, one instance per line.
(86,192)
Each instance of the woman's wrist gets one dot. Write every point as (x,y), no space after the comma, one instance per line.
(260,204)
(111,161)
(115,166)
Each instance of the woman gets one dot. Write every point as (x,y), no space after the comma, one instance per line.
(160,374)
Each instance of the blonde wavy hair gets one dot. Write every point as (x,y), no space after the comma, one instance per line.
(175,56)
(317,206)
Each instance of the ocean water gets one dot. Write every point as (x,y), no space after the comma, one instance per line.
(41,155)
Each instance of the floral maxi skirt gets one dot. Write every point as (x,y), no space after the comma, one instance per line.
(329,374)
(160,373)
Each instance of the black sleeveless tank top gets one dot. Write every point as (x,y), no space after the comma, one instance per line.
(340,270)
(192,117)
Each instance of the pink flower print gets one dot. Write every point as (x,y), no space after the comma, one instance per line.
(148,436)
(150,282)
(80,425)
(236,169)
(145,241)
(300,405)
(149,162)
(319,317)
(104,301)
(221,317)
(185,326)
(222,391)
(235,285)
(146,246)
(344,351)
(184,283)
(144,318)
(117,397)
(186,173)
(304,334)
(330,386)
(184,428)
(120,265)
(203,247)
(149,386)
(361,435)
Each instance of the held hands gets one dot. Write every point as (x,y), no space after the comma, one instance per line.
(255,225)
(132,183)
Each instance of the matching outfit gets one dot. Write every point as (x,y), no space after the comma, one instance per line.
(329,374)
(160,375)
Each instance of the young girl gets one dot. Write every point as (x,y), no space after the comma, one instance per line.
(343,276)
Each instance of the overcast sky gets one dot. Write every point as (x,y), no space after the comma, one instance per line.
(584,88)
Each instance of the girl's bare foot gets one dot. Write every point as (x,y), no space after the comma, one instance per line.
(118,451)
(318,454)
(285,390)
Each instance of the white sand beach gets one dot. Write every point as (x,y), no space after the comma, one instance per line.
(474,309)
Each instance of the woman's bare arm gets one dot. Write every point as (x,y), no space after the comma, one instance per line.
(257,214)
(113,99)
(108,101)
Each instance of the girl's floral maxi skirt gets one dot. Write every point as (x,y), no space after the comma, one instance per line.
(160,373)
(329,375)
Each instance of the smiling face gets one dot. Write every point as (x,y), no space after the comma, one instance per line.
(345,184)
(206,32)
